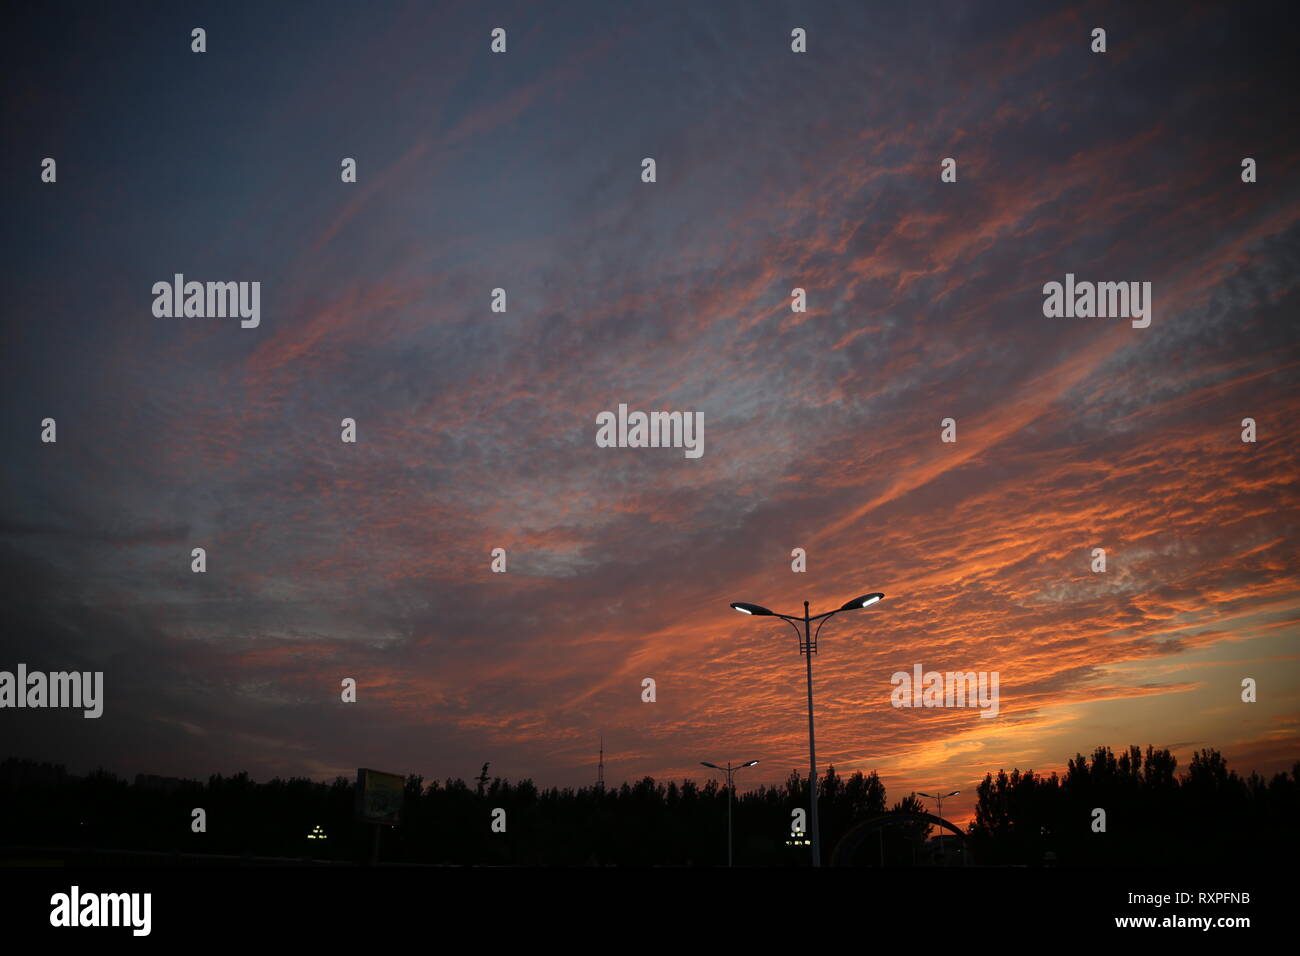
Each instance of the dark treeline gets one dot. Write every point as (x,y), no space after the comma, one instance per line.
(1153,816)
(641,823)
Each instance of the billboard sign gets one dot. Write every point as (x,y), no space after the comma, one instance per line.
(379,796)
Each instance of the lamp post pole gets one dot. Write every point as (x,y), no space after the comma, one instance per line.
(939,797)
(812,745)
(729,770)
(731,796)
(808,647)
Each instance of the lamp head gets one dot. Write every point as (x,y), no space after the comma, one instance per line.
(865,601)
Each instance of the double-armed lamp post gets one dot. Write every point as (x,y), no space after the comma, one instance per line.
(808,647)
(940,797)
(729,770)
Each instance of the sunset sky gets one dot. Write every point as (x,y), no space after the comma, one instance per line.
(476,430)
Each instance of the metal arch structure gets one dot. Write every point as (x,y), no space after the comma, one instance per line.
(848,845)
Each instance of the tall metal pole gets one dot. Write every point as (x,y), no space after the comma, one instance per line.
(730,784)
(806,646)
(812,745)
(730,793)
(940,829)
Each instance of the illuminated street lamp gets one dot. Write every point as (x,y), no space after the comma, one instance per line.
(731,789)
(940,797)
(808,647)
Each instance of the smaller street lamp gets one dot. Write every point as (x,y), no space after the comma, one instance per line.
(731,789)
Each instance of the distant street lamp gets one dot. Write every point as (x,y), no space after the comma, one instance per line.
(940,797)
(731,789)
(808,647)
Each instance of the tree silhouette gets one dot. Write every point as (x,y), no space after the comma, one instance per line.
(1153,816)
